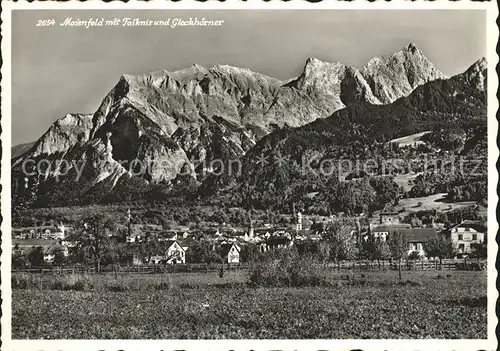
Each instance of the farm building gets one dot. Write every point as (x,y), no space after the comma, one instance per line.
(276,242)
(416,237)
(384,230)
(390,214)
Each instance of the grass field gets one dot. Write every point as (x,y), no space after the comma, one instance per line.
(410,139)
(431,202)
(405,180)
(426,304)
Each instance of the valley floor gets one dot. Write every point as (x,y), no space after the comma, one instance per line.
(426,304)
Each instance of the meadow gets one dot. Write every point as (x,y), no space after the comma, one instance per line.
(432,202)
(424,304)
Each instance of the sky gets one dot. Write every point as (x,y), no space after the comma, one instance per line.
(58,70)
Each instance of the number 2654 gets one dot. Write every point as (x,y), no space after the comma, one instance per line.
(45,23)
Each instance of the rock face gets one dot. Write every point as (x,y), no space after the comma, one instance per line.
(396,76)
(62,136)
(184,120)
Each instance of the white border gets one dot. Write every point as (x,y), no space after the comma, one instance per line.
(25,345)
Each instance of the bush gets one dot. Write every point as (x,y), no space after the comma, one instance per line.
(471,266)
(116,286)
(415,255)
(72,282)
(285,268)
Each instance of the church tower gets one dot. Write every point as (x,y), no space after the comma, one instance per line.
(299,221)
(250,227)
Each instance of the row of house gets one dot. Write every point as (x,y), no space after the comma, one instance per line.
(230,240)
(176,253)
(53,232)
(463,235)
(49,247)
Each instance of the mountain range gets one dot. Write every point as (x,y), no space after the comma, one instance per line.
(178,122)
(453,106)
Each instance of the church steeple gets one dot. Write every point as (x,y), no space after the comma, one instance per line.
(129,224)
(299,221)
(250,224)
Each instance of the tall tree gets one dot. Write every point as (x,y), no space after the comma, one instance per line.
(201,253)
(35,256)
(398,246)
(375,248)
(439,247)
(92,240)
(59,257)
(339,237)
(324,251)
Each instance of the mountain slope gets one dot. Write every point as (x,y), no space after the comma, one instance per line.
(19,150)
(360,132)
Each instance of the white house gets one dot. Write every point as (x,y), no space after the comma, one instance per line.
(466,234)
(175,253)
(230,253)
(48,257)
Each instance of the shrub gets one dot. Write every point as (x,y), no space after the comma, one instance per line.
(117,286)
(73,282)
(415,255)
(20,281)
(471,266)
(280,268)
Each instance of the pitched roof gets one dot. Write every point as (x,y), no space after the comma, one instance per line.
(281,240)
(225,248)
(410,234)
(480,226)
(238,233)
(390,227)
(188,242)
(420,234)
(169,243)
(34,242)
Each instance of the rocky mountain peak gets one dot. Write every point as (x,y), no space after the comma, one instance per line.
(320,77)
(476,74)
(412,48)
(479,65)
(398,75)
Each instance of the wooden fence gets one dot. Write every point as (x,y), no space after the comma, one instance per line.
(467,264)
(410,265)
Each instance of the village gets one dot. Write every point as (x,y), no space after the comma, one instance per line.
(228,241)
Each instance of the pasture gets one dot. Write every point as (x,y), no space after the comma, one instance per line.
(425,304)
(432,202)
